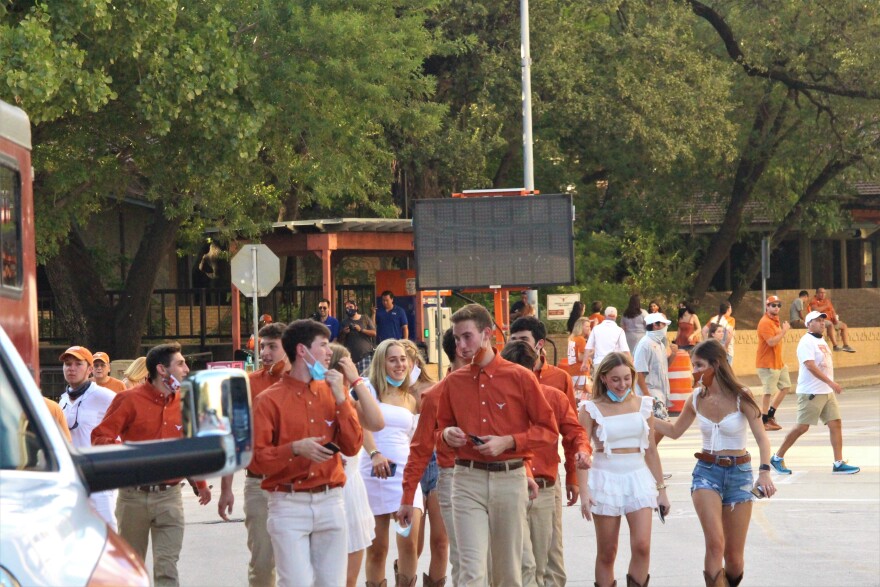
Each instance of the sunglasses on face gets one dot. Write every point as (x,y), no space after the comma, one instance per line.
(775,305)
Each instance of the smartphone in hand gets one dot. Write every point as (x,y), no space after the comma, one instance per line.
(661,513)
(332,446)
(758,492)
(392,469)
(476,439)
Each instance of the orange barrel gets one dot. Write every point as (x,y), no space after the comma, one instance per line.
(681,381)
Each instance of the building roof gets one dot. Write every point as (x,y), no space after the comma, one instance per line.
(345,225)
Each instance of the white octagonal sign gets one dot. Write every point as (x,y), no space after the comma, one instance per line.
(255,263)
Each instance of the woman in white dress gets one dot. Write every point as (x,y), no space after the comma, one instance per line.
(361,525)
(626,475)
(382,468)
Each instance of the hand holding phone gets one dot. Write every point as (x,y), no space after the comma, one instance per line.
(661,513)
(476,439)
(758,492)
(331,446)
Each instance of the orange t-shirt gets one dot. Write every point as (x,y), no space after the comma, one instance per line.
(113,384)
(825,307)
(59,417)
(768,357)
(596,318)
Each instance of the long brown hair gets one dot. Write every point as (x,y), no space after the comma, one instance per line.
(611,360)
(713,353)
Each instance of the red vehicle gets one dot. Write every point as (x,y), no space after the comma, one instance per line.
(18,287)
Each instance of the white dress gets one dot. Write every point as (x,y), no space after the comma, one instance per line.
(621,483)
(361,523)
(393,442)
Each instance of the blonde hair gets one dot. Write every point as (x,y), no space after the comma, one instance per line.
(578,328)
(415,357)
(136,373)
(377,368)
(339,351)
(611,361)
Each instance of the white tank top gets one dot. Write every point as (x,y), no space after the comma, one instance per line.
(624,430)
(728,434)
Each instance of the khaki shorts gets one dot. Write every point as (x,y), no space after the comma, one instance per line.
(823,406)
(773,379)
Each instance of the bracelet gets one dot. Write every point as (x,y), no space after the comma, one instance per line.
(374,453)
(357,382)
(661,486)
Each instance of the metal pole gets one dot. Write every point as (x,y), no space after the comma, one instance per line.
(439,328)
(765,267)
(256,310)
(525,55)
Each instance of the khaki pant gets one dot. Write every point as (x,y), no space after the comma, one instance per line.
(555,574)
(261,568)
(489,504)
(444,496)
(309,538)
(541,512)
(160,514)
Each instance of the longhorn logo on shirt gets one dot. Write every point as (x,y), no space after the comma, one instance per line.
(501,406)
(179,427)
(329,423)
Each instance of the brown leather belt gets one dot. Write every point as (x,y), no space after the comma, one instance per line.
(544,483)
(156,488)
(289,488)
(723,461)
(249,475)
(493,467)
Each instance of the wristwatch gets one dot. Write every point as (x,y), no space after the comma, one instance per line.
(764,468)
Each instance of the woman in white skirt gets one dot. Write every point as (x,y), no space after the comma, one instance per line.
(382,466)
(626,478)
(361,525)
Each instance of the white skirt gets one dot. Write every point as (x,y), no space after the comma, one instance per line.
(361,523)
(621,484)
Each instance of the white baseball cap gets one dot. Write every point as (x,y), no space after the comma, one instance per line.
(656,317)
(813,315)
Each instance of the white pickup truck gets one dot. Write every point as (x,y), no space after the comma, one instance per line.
(49,534)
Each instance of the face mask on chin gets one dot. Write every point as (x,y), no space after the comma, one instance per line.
(705,377)
(393,382)
(658,335)
(316,370)
(481,353)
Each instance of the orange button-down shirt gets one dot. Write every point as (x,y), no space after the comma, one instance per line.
(424,443)
(500,399)
(293,410)
(265,378)
(768,357)
(558,378)
(545,463)
(113,384)
(139,414)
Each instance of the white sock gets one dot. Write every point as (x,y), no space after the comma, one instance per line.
(838,463)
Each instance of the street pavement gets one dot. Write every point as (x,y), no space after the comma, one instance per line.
(819,530)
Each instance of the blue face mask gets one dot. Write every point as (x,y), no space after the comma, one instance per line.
(617,399)
(316,370)
(393,382)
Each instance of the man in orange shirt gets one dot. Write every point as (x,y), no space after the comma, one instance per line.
(493,415)
(822,303)
(101,370)
(151,411)
(543,558)
(772,372)
(533,331)
(300,424)
(422,446)
(261,568)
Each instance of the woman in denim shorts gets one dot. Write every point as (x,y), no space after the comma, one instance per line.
(722,488)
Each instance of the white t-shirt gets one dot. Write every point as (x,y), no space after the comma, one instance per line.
(84,414)
(815,349)
(606,337)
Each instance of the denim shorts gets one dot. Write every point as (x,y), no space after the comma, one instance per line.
(733,484)
(429,479)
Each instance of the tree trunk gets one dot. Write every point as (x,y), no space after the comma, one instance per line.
(791,220)
(83,305)
(754,159)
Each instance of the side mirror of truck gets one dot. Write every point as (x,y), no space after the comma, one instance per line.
(218,438)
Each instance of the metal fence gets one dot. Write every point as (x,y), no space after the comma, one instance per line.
(205,314)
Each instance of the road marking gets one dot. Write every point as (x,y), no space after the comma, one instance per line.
(780,479)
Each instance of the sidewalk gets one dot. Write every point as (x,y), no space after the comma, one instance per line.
(847,377)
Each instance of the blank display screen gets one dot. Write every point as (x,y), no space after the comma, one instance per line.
(506,241)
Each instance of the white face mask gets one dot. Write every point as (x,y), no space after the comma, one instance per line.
(658,335)
(414,375)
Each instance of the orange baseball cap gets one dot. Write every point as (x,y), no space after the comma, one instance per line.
(80,352)
(101,356)
(772,299)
